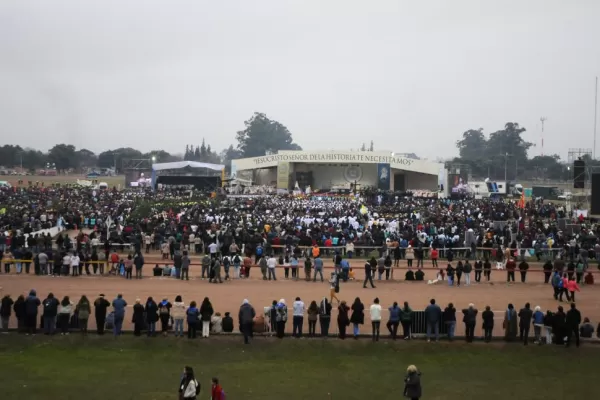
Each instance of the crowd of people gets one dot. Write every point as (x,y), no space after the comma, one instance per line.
(165,317)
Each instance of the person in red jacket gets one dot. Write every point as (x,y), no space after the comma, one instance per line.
(434,257)
(510,270)
(572,286)
(216,390)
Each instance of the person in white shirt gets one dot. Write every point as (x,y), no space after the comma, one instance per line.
(212,248)
(271,264)
(298,318)
(66,264)
(75,265)
(188,388)
(375,311)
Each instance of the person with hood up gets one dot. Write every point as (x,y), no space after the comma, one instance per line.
(5,312)
(151,311)
(206,312)
(192,315)
(246,318)
(100,307)
(178,314)
(50,311)
(510,324)
(412,383)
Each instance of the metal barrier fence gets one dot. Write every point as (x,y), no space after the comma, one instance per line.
(418,323)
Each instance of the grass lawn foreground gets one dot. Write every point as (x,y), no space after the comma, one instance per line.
(149,368)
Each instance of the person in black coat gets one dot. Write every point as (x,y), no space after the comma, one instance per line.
(573,320)
(459,271)
(412,383)
(138,318)
(151,311)
(227,323)
(559,326)
(368,275)
(488,324)
(470,318)
(449,319)
(100,307)
(525,316)
(19,309)
(358,316)
(5,311)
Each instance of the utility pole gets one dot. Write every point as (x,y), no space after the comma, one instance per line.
(595,117)
(505,166)
(542,120)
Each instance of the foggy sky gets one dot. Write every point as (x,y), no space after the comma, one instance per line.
(411,76)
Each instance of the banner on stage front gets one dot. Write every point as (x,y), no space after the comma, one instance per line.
(383,176)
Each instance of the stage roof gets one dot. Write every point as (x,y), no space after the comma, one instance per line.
(186,164)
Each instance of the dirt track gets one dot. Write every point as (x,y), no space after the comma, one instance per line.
(229,295)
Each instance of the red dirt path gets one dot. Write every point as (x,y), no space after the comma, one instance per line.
(229,295)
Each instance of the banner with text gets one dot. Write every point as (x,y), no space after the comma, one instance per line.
(283,175)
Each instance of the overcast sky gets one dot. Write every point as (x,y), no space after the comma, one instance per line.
(410,75)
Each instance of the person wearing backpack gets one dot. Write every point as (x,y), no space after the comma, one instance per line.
(164,313)
(189,388)
(555,284)
(217,392)
(237,262)
(226,264)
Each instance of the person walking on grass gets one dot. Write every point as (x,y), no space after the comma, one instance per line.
(206,312)
(412,383)
(189,388)
(216,391)
(375,313)
(192,315)
(100,307)
(84,309)
(246,318)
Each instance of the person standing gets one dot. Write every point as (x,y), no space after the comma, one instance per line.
(50,311)
(375,314)
(262,264)
(449,319)
(467,268)
(5,311)
(45,268)
(357,317)
(559,327)
(412,383)
(119,305)
(510,324)
(478,270)
(84,310)
(281,318)
(538,323)
(178,314)
(246,317)
(192,314)
(325,316)
(433,317)
(271,265)
(138,318)
(151,311)
(100,307)
(216,391)
(64,315)
(523,267)
(319,269)
(205,266)
(216,271)
(206,312)
(487,269)
(572,321)
(459,272)
(406,315)
(510,270)
(139,264)
(298,310)
(164,314)
(342,319)
(368,276)
(488,324)
(185,266)
(572,287)
(313,315)
(394,320)
(525,317)
(470,319)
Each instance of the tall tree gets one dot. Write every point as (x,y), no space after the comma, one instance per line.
(473,144)
(63,156)
(85,158)
(196,156)
(263,135)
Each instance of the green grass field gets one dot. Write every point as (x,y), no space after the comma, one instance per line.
(149,368)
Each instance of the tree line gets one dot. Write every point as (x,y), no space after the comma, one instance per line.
(260,136)
(504,153)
